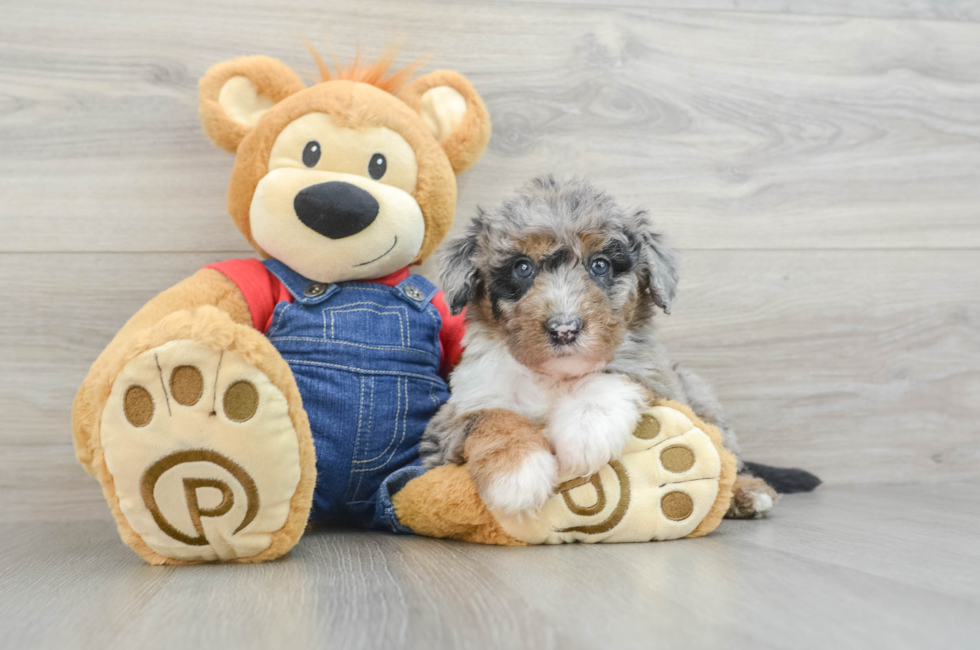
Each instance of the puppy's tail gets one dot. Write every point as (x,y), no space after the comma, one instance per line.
(784,480)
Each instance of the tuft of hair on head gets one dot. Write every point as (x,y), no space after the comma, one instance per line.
(376,74)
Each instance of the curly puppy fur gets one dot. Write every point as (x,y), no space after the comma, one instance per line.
(562,285)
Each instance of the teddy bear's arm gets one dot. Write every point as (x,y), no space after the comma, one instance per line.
(206,287)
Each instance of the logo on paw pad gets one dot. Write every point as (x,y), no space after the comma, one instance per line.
(614,517)
(662,487)
(191,486)
(192,436)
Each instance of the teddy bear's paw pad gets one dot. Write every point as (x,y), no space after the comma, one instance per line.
(657,425)
(203,455)
(660,490)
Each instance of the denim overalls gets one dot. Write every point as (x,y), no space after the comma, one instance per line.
(366,359)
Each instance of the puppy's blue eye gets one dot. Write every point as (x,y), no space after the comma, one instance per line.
(311,153)
(523,269)
(599,266)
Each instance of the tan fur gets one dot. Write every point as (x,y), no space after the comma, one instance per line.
(481,311)
(729,466)
(468,141)
(208,307)
(272,78)
(499,442)
(729,469)
(376,74)
(213,327)
(352,104)
(742,506)
(536,245)
(523,328)
(591,242)
(435,190)
(523,325)
(206,287)
(444,502)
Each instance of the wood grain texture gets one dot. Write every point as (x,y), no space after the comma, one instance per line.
(947,10)
(740,130)
(860,367)
(954,10)
(817,160)
(854,567)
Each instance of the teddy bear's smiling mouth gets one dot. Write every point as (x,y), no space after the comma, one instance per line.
(393,244)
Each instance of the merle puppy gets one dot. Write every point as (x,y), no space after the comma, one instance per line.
(562,285)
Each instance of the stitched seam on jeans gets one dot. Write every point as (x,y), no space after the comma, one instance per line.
(394,292)
(366,302)
(363,371)
(387,311)
(362,472)
(279,319)
(359,345)
(402,413)
(350,304)
(391,438)
(363,288)
(357,436)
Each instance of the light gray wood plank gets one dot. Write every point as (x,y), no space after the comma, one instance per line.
(739,130)
(954,10)
(860,367)
(949,10)
(760,584)
(894,531)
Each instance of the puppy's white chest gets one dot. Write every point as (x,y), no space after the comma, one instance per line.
(491,381)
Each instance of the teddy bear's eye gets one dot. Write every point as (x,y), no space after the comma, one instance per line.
(378,166)
(311,153)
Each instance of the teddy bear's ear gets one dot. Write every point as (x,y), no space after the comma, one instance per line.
(233,95)
(454,113)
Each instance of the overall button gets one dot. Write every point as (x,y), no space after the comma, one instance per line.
(414,293)
(314,289)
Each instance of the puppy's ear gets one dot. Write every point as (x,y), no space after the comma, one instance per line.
(458,272)
(658,265)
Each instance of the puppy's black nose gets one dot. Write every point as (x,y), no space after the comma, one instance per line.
(335,209)
(563,330)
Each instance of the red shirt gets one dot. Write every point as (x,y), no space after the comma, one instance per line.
(263,291)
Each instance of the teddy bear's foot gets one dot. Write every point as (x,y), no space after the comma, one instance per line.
(204,460)
(674,480)
(668,484)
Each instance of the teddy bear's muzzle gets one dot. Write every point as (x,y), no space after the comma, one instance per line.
(336,209)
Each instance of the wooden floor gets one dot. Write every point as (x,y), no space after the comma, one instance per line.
(816,161)
(846,567)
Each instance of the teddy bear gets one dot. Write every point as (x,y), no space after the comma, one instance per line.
(257,396)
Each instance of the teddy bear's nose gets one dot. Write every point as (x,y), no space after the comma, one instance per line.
(336,209)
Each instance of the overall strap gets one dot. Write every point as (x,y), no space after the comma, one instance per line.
(303,290)
(417,291)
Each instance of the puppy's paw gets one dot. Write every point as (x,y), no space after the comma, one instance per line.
(590,426)
(752,498)
(581,453)
(525,489)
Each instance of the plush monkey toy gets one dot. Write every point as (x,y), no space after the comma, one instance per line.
(256,396)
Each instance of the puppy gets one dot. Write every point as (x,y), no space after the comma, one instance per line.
(562,285)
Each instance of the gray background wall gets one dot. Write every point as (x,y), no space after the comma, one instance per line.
(818,164)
